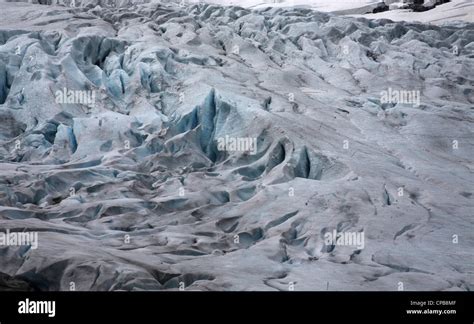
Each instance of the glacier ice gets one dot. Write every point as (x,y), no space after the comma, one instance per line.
(132,193)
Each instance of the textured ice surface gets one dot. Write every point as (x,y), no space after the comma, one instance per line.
(132,192)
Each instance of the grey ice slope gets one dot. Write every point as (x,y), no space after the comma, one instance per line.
(168,82)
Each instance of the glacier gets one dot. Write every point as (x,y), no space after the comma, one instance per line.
(128,189)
